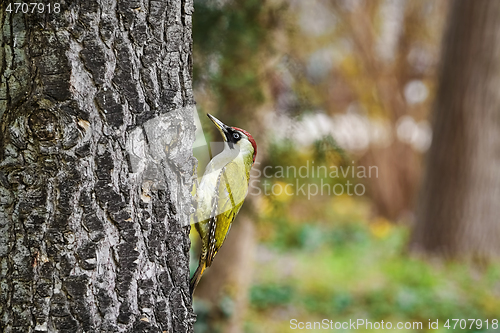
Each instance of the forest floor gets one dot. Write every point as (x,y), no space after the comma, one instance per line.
(354,268)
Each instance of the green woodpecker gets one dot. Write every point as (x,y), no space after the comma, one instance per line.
(221,192)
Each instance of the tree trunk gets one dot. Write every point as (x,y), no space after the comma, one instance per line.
(96,167)
(460,202)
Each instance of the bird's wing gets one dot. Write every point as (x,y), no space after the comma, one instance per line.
(231,190)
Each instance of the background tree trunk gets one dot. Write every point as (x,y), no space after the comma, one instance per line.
(96,167)
(460,202)
(224,287)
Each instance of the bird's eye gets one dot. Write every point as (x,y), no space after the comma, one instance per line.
(236,136)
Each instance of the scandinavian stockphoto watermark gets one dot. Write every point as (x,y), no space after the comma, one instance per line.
(292,180)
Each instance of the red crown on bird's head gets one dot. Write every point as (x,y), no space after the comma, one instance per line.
(251,139)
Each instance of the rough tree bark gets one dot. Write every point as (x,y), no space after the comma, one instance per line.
(460,203)
(96,167)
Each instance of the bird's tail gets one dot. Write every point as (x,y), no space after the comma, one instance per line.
(197,276)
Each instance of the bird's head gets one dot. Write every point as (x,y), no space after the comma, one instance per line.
(236,137)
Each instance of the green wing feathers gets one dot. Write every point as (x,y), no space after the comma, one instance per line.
(231,190)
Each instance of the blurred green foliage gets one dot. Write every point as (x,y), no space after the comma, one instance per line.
(328,257)
(265,296)
(355,268)
(232,40)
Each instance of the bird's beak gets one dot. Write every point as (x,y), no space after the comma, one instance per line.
(220,126)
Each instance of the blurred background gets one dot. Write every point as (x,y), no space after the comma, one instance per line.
(376,189)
